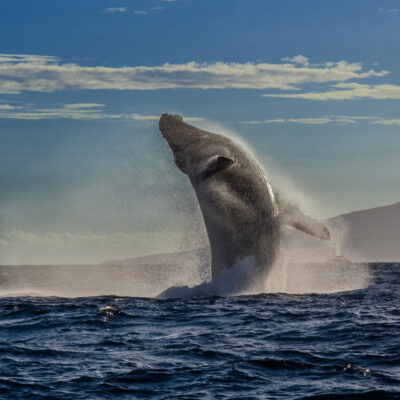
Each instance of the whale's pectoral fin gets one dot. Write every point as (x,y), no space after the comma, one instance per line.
(291,215)
(213,165)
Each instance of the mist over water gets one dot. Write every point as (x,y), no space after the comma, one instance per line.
(94,197)
(155,211)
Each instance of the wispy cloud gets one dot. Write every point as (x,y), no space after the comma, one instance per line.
(15,236)
(347,91)
(115,10)
(390,10)
(24,247)
(48,74)
(265,121)
(387,122)
(139,117)
(140,12)
(7,107)
(27,59)
(298,60)
(306,121)
(329,119)
(77,106)
(83,111)
(78,111)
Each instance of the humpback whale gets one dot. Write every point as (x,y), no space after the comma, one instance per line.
(243,215)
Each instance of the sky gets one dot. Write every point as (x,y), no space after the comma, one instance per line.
(312,86)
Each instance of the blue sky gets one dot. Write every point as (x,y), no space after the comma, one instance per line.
(312,86)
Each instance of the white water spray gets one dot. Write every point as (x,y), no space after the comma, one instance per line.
(304,264)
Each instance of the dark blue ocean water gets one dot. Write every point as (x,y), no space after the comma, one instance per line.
(331,346)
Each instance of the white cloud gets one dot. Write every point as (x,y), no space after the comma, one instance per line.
(307,121)
(47,74)
(139,117)
(298,60)
(78,111)
(329,119)
(265,121)
(116,10)
(387,122)
(84,111)
(27,58)
(390,10)
(312,121)
(76,106)
(13,236)
(347,91)
(6,107)
(140,12)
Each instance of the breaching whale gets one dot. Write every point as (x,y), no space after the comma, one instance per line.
(242,213)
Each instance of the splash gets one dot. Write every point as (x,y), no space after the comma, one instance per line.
(181,275)
(304,265)
(284,277)
(233,281)
(137,277)
(330,276)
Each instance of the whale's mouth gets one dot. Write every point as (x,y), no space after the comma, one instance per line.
(168,126)
(177,133)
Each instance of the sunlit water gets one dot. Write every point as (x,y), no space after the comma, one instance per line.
(343,345)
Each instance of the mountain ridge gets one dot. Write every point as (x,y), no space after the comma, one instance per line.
(372,234)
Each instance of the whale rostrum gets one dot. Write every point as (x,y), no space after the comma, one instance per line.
(242,213)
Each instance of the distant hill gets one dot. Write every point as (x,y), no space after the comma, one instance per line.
(199,255)
(366,235)
(371,235)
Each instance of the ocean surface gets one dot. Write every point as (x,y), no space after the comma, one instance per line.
(343,345)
